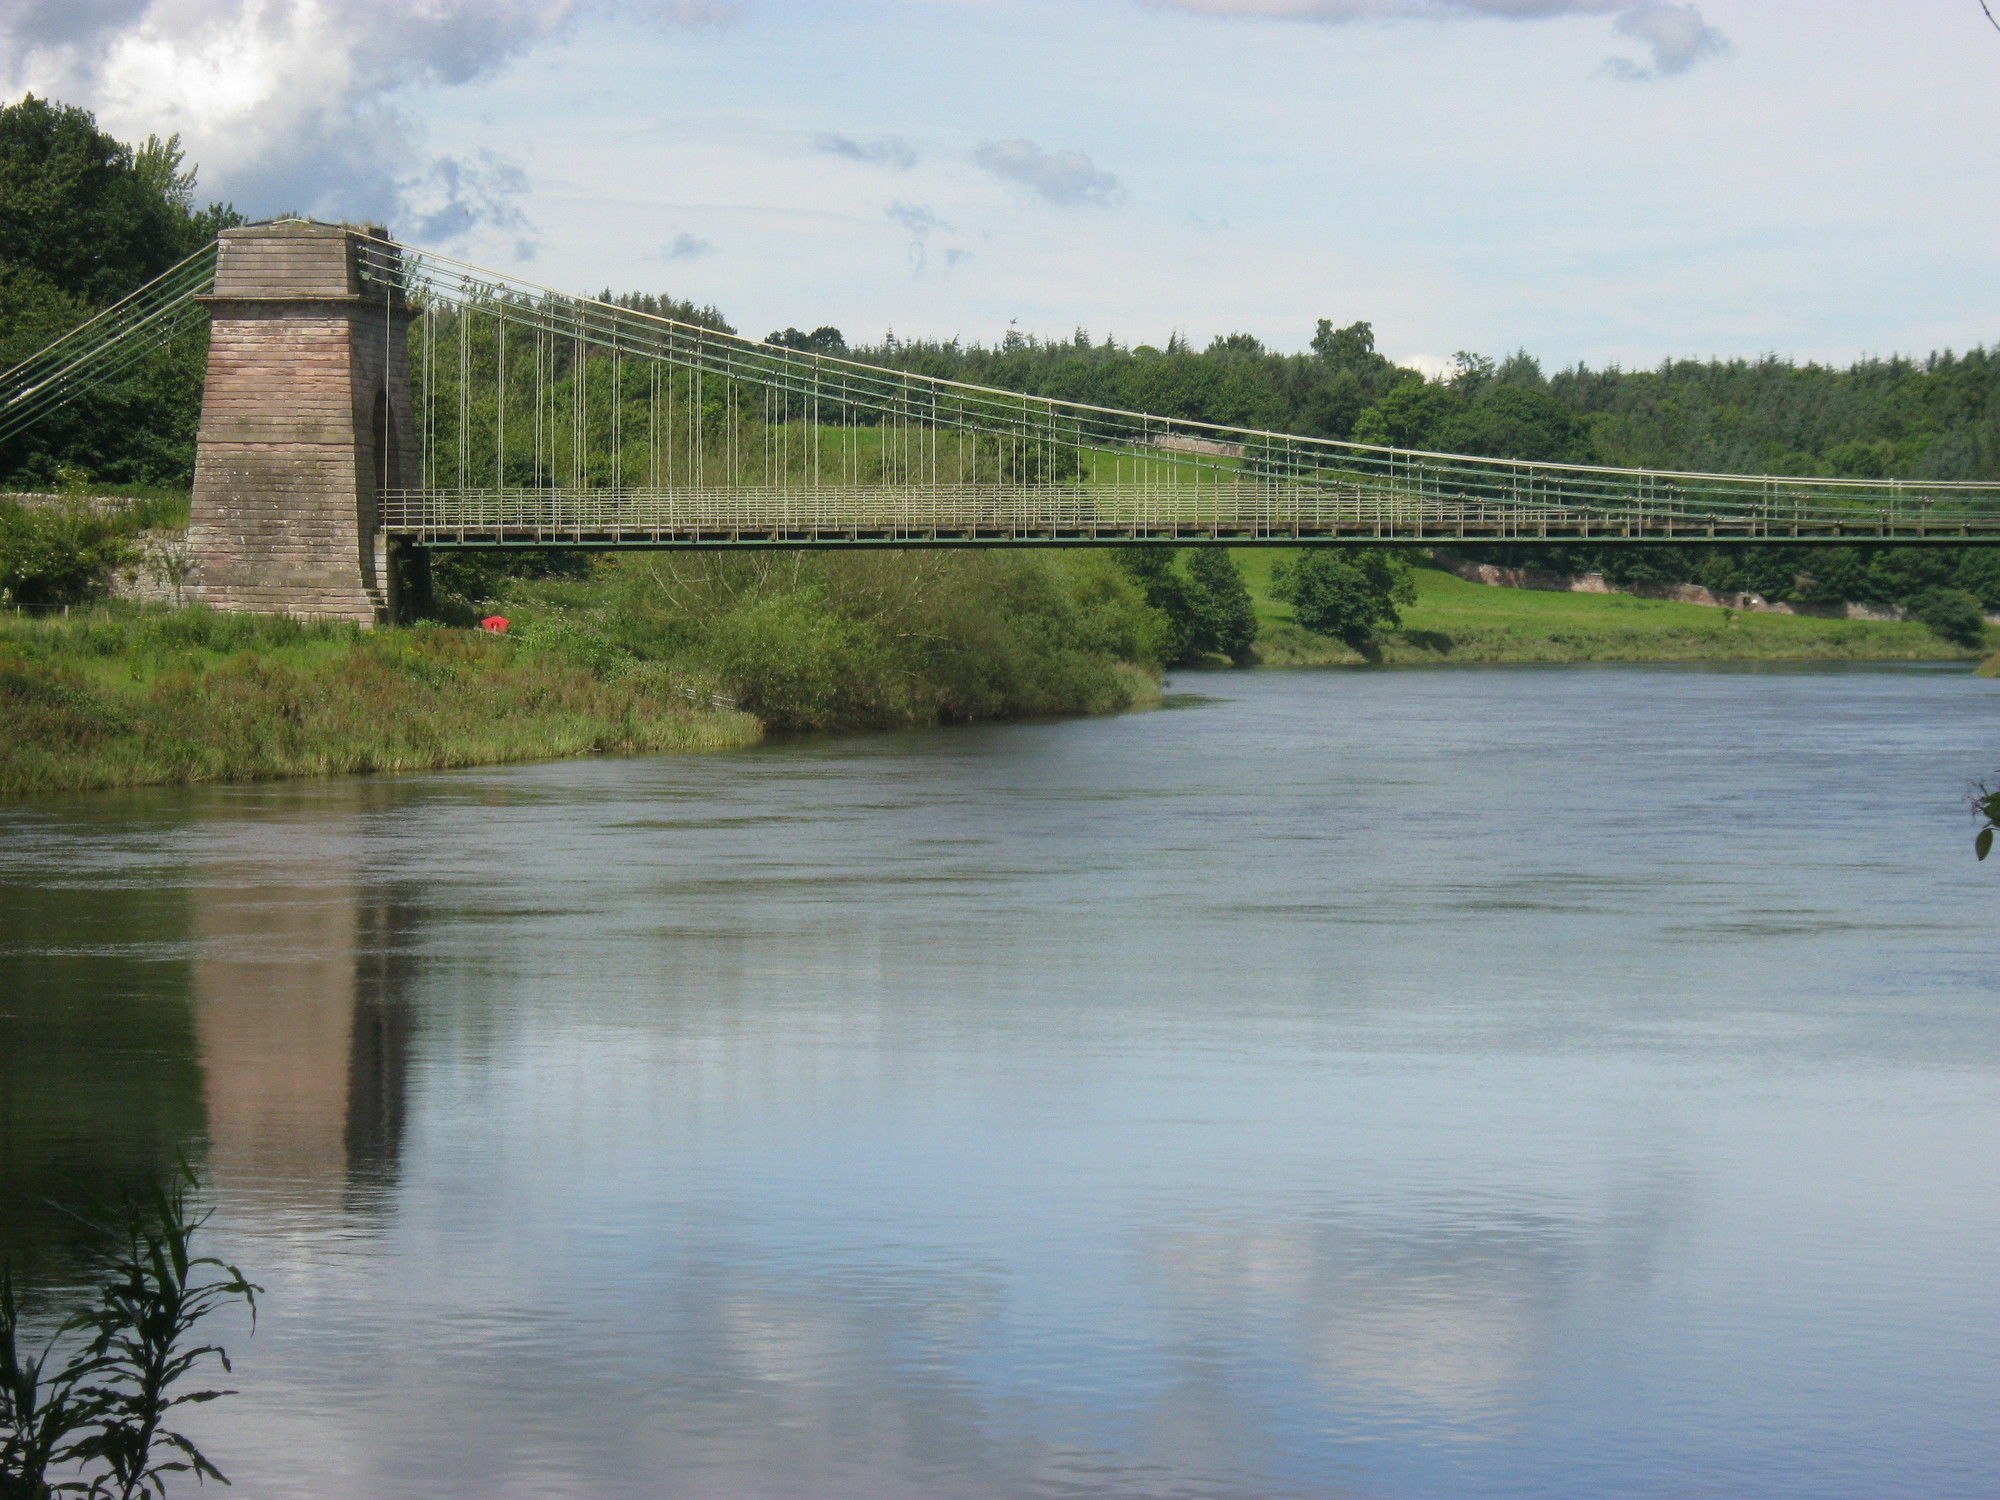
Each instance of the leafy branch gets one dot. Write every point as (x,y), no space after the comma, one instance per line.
(96,1397)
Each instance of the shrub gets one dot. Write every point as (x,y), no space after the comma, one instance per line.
(1348,595)
(59,554)
(1952,614)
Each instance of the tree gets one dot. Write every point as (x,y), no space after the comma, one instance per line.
(1470,372)
(1517,421)
(85,220)
(825,339)
(1351,348)
(77,206)
(1861,459)
(1978,573)
(1169,592)
(1409,416)
(1953,615)
(1348,595)
(1227,620)
(1199,596)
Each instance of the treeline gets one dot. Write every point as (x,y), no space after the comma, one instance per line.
(1935,418)
(85,220)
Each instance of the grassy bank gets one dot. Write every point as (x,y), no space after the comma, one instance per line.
(643,655)
(136,699)
(665,652)
(1457,621)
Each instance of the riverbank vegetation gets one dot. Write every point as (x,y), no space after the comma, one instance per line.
(639,654)
(1449,619)
(672,652)
(819,640)
(682,651)
(132,698)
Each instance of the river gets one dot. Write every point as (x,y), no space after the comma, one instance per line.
(1528,1081)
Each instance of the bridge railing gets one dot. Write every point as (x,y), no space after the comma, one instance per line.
(1244,511)
(524,391)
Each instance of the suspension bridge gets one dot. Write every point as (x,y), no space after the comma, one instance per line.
(367,402)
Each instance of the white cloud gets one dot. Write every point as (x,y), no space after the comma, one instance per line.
(294,104)
(685,247)
(883,151)
(457,194)
(1066,177)
(1675,34)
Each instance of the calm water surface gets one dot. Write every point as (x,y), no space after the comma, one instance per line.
(1535,1082)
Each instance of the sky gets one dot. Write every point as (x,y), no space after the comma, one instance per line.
(1592,180)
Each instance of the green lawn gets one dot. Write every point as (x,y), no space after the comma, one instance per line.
(1454,620)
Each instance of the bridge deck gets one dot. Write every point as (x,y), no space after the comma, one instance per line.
(971,515)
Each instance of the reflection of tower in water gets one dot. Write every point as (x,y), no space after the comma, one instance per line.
(303,1024)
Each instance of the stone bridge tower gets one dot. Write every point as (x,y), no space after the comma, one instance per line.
(305,419)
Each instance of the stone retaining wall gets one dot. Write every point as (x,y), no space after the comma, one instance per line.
(164,572)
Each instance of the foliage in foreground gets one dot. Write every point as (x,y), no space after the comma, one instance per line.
(1987,805)
(86,1410)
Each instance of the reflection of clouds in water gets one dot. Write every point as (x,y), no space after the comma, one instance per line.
(759,1243)
(1443,1316)
(981,1116)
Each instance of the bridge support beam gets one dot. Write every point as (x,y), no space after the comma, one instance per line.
(305,419)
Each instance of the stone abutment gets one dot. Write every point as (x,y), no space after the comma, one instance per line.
(305,420)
